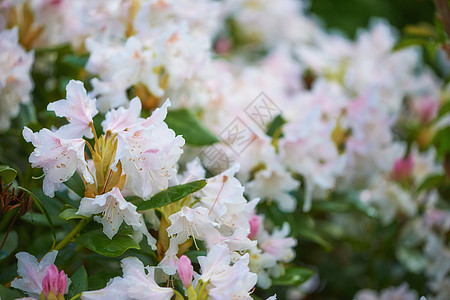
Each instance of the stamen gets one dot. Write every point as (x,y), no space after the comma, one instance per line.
(225,179)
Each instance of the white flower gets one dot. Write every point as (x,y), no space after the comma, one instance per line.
(274,183)
(15,79)
(225,281)
(223,196)
(117,120)
(115,288)
(149,152)
(79,109)
(308,149)
(32,272)
(187,223)
(58,157)
(278,245)
(401,292)
(135,284)
(114,208)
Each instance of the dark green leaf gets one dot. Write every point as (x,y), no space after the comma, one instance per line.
(42,208)
(100,279)
(9,294)
(7,174)
(408,42)
(69,213)
(10,245)
(98,242)
(311,235)
(185,123)
(275,125)
(445,108)
(76,184)
(40,219)
(79,282)
(294,276)
(27,114)
(431,182)
(75,61)
(172,194)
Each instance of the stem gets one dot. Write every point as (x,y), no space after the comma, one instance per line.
(76,296)
(69,237)
(177,294)
(200,292)
(9,229)
(200,283)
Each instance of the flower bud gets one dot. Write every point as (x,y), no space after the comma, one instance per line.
(54,284)
(403,168)
(254,222)
(426,109)
(185,270)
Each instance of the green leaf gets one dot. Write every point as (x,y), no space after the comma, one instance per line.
(75,61)
(76,184)
(275,125)
(69,213)
(40,219)
(10,245)
(431,182)
(445,109)
(99,280)
(7,174)
(79,282)
(7,294)
(42,208)
(294,276)
(98,242)
(172,194)
(311,235)
(410,41)
(185,123)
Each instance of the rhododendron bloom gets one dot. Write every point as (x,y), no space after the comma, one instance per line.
(79,110)
(148,149)
(114,208)
(15,78)
(58,157)
(138,282)
(37,277)
(225,281)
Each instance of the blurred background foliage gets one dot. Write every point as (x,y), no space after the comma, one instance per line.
(349,15)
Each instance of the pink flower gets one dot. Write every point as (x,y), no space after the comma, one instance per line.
(54,283)
(254,222)
(403,168)
(185,270)
(426,109)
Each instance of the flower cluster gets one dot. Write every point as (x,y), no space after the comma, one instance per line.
(290,117)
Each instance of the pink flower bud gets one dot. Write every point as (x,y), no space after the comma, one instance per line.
(54,282)
(254,222)
(223,46)
(403,168)
(426,109)
(62,283)
(185,270)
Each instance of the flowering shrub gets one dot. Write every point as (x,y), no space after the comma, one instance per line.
(219,150)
